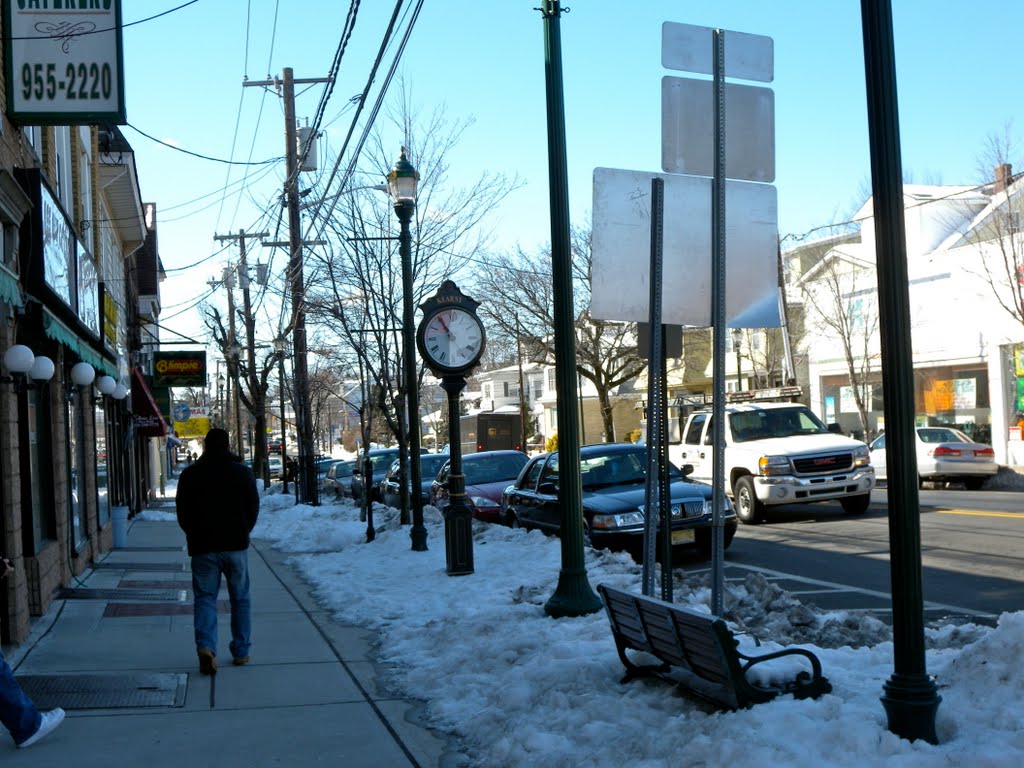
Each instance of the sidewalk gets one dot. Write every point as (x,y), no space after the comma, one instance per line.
(117,653)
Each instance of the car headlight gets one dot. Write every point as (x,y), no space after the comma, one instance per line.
(861,456)
(482,502)
(623,520)
(773,465)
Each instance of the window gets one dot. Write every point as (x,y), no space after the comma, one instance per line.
(487,391)
(504,385)
(551,380)
(696,426)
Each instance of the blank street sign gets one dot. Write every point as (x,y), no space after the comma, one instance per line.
(621,246)
(688,48)
(688,129)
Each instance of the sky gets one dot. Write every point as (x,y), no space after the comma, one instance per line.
(484,62)
(517,689)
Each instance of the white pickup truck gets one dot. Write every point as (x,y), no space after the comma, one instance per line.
(778,453)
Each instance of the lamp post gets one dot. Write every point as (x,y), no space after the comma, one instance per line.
(279,346)
(737,337)
(402,182)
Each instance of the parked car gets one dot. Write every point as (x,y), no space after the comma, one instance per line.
(276,467)
(487,475)
(430,465)
(339,478)
(613,477)
(944,454)
(275,444)
(380,460)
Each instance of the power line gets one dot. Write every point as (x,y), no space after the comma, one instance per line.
(202,157)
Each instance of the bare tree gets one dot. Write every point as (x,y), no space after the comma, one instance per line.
(843,306)
(999,235)
(520,289)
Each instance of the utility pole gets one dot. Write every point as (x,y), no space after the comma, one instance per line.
(306,477)
(256,398)
(522,394)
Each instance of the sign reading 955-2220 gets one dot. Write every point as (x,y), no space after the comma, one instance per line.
(81,82)
(64,62)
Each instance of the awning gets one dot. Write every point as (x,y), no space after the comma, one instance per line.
(59,332)
(145,413)
(10,290)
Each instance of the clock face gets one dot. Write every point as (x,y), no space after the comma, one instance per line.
(453,338)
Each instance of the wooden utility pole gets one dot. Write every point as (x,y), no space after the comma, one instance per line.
(306,477)
(257,394)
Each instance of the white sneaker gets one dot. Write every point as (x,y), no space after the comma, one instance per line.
(51,720)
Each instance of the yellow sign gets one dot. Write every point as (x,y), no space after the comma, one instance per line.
(196,425)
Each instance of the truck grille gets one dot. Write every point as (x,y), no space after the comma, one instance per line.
(829,462)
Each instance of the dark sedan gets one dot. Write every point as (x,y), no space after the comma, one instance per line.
(487,474)
(613,477)
(430,465)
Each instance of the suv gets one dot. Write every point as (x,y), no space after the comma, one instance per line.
(779,453)
(380,460)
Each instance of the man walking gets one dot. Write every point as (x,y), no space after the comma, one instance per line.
(17,712)
(217,504)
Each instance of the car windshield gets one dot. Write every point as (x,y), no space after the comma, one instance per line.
(602,470)
(492,469)
(761,424)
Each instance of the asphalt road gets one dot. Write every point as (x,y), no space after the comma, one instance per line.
(972,551)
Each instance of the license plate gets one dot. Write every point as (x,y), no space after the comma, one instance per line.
(682,537)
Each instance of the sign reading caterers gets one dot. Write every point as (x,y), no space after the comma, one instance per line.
(64,62)
(179,369)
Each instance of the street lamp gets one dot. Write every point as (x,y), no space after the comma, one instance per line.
(737,337)
(280,344)
(402,182)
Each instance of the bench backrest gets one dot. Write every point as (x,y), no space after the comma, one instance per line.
(675,634)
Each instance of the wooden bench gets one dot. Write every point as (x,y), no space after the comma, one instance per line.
(698,651)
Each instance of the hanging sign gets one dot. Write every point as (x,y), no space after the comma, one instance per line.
(64,62)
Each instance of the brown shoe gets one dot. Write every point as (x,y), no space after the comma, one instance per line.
(207,662)
(240,661)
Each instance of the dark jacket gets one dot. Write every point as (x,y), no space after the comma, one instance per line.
(217,504)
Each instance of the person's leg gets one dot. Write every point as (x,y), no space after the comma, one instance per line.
(17,712)
(205,586)
(236,571)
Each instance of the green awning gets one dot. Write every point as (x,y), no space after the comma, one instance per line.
(59,332)
(10,290)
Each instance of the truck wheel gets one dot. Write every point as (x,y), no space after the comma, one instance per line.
(856,505)
(749,509)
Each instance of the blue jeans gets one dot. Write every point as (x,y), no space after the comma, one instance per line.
(17,712)
(206,571)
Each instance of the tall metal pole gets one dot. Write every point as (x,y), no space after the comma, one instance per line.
(911,699)
(719,316)
(300,375)
(418,534)
(573,596)
(284,430)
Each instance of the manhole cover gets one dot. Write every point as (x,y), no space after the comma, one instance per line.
(172,595)
(105,691)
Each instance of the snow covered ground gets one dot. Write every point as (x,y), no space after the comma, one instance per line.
(519,689)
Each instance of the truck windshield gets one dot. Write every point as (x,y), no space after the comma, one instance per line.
(774,422)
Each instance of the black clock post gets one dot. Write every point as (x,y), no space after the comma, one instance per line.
(451,341)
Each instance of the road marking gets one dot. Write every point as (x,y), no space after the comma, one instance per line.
(976,513)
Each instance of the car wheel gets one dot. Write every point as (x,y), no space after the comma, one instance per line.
(513,520)
(920,482)
(856,505)
(749,509)
(974,483)
(702,538)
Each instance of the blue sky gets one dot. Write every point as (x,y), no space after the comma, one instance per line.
(956,65)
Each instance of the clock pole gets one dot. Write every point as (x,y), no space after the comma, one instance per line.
(453,350)
(458,521)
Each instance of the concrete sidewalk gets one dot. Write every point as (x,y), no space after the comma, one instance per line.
(117,653)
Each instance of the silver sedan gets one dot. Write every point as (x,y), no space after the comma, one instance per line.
(944,454)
